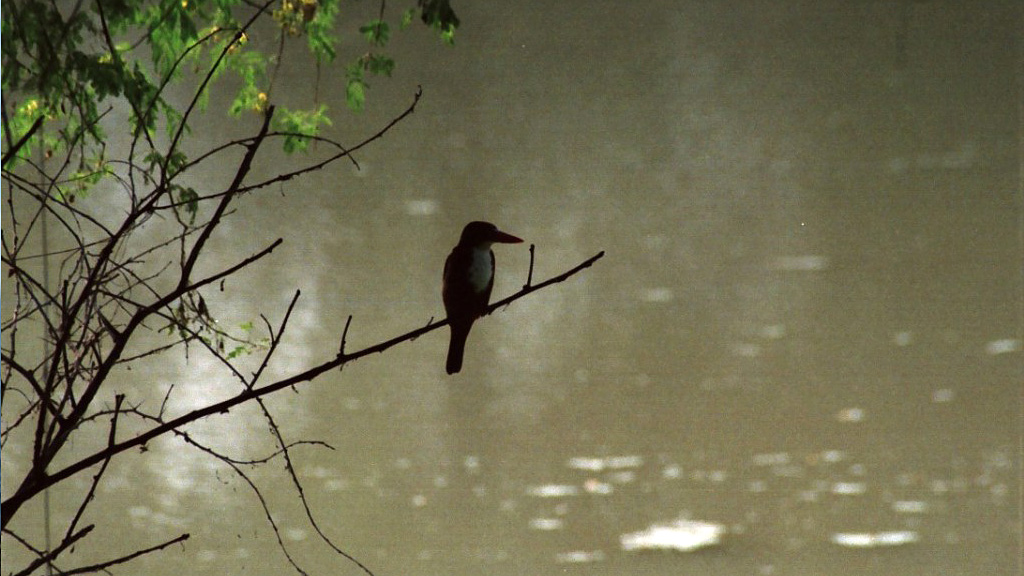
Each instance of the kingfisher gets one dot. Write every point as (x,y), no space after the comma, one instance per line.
(467,283)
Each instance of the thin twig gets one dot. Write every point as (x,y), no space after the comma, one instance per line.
(276,430)
(269,516)
(275,339)
(102,566)
(243,170)
(344,336)
(111,439)
(289,175)
(209,78)
(553,280)
(529,275)
(49,556)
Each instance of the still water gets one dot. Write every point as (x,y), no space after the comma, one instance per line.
(801,353)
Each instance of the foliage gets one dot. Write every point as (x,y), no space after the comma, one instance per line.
(299,124)
(440,15)
(64,69)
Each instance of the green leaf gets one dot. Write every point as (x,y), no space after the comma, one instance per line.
(439,14)
(238,351)
(448,35)
(355,89)
(191,202)
(299,124)
(407,17)
(322,47)
(355,94)
(75,75)
(376,32)
(379,64)
(248,98)
(176,161)
(319,31)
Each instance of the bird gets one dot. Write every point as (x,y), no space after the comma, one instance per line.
(467,283)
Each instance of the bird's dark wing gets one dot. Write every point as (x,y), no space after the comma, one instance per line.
(460,300)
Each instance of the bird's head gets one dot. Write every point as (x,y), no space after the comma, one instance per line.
(484,234)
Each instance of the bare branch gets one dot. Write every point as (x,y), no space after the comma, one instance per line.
(58,434)
(227,271)
(233,189)
(28,411)
(49,556)
(37,484)
(111,439)
(269,516)
(553,280)
(13,150)
(301,492)
(276,430)
(344,336)
(529,275)
(289,175)
(110,286)
(32,382)
(275,339)
(127,558)
(343,152)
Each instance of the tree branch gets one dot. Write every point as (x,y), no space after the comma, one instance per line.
(289,175)
(37,478)
(13,150)
(275,339)
(240,174)
(10,506)
(111,438)
(49,556)
(102,566)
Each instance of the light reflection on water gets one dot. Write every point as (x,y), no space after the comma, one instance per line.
(599,509)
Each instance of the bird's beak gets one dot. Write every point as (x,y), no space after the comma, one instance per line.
(504,238)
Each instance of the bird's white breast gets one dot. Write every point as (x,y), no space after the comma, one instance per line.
(480,268)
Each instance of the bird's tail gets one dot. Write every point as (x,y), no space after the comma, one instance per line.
(456,346)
